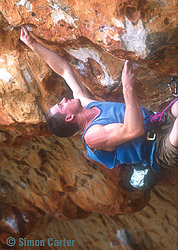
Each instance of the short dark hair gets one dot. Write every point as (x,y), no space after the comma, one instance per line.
(58,126)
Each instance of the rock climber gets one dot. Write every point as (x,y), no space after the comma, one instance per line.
(113,133)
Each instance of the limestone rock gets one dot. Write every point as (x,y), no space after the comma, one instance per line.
(46,181)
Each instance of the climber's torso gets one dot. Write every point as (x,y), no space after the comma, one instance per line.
(110,120)
(109,130)
(92,132)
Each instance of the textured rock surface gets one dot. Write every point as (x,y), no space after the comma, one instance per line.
(46,182)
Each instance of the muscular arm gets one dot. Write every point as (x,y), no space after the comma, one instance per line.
(59,65)
(108,136)
(133,119)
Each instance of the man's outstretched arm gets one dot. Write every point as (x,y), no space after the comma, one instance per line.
(107,137)
(59,65)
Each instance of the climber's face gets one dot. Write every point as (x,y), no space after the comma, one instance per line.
(67,107)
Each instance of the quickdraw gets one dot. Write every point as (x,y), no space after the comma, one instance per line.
(159,116)
(174,80)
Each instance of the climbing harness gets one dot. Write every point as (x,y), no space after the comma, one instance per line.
(159,116)
(142,174)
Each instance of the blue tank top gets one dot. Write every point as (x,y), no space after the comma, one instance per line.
(132,152)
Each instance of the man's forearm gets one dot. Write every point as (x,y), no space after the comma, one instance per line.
(63,68)
(56,63)
(133,114)
(133,121)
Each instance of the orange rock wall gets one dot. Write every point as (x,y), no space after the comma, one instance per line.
(44,180)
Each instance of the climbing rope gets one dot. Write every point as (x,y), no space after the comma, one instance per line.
(158,118)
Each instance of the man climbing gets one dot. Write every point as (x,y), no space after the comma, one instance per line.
(113,133)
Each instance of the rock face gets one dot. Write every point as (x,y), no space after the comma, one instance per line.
(47,182)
